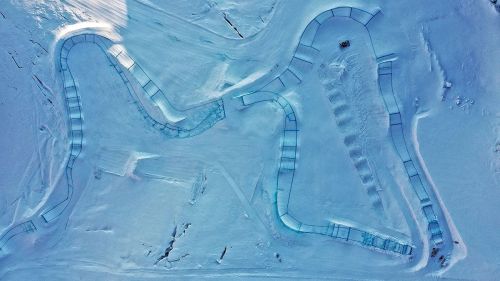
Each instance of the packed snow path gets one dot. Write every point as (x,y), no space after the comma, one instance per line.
(193,121)
(401,145)
(286,171)
(301,63)
(199,118)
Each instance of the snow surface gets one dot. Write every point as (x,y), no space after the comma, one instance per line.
(149,139)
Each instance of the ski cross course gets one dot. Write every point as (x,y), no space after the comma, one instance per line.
(184,123)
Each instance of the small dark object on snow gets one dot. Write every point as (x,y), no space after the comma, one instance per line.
(344,44)
(434,252)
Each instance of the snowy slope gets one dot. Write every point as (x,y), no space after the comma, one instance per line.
(221,140)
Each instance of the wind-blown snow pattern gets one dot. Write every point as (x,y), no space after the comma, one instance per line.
(257,141)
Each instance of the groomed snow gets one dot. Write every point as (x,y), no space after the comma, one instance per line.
(149,139)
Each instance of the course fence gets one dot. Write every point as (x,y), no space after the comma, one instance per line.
(402,147)
(303,60)
(22,228)
(180,123)
(307,49)
(284,185)
(194,120)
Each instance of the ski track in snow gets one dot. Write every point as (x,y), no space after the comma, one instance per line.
(183,123)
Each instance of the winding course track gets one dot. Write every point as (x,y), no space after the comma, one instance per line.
(193,121)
